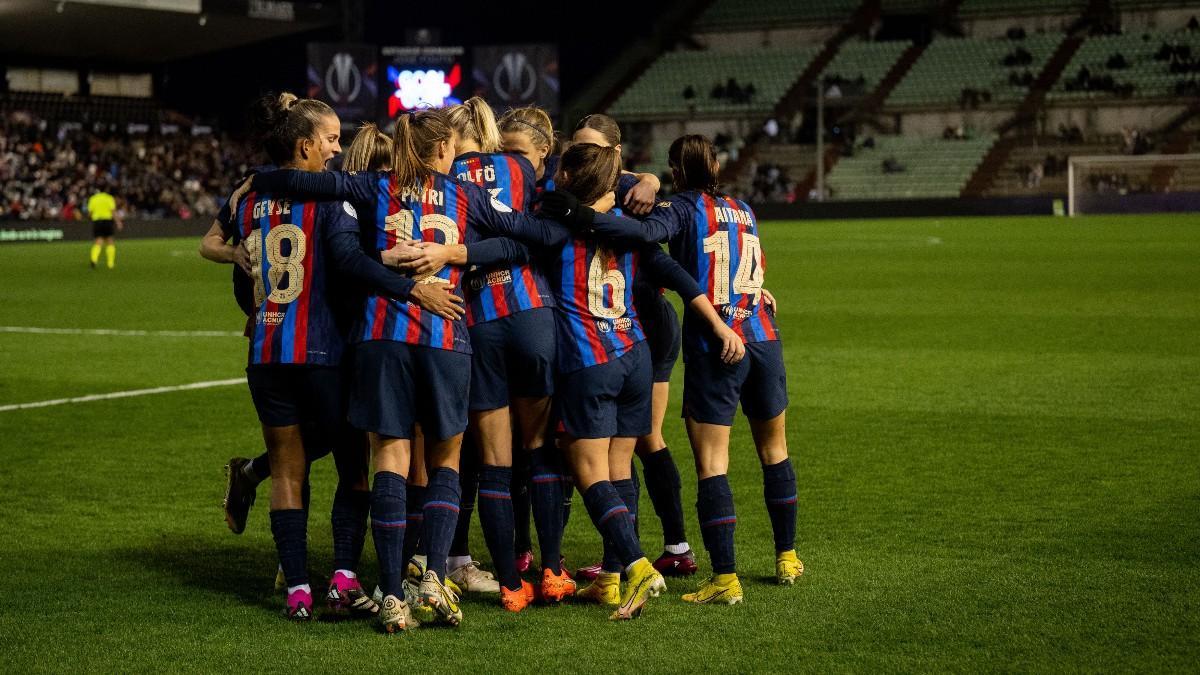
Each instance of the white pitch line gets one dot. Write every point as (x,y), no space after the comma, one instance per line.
(119,332)
(122,394)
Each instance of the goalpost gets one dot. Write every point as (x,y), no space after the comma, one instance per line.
(1132,183)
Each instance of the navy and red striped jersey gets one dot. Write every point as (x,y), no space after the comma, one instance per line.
(593,288)
(546,182)
(497,292)
(597,318)
(442,210)
(295,321)
(436,212)
(715,238)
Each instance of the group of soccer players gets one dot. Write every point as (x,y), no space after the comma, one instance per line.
(464,316)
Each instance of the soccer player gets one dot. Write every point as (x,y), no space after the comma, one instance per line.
(511,319)
(413,366)
(106,222)
(715,237)
(603,389)
(528,132)
(297,249)
(638,192)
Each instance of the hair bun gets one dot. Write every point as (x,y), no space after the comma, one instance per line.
(287,100)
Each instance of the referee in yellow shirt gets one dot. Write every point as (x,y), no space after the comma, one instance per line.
(102,209)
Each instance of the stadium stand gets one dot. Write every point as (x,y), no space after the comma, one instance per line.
(869,61)
(734,14)
(976,8)
(1038,166)
(1133,65)
(900,167)
(762,77)
(952,67)
(47,171)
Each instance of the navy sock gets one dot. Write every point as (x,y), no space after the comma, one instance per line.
(612,519)
(546,498)
(468,476)
(521,500)
(714,505)
(261,466)
(290,528)
(306,492)
(388,528)
(631,494)
(568,487)
(415,514)
(496,516)
(779,491)
(663,486)
(349,520)
(441,515)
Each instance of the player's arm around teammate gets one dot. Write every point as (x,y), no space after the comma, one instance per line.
(716,238)
(638,193)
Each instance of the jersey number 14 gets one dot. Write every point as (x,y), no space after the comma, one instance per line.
(749,277)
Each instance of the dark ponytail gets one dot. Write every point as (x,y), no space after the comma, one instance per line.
(692,158)
(587,171)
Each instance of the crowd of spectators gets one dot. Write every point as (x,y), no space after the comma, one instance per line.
(47,171)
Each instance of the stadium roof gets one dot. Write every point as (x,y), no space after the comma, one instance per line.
(153,31)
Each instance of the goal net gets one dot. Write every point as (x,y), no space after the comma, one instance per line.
(1133,184)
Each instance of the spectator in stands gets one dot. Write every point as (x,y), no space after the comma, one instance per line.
(733,91)
(44,170)
(1193,24)
(1034,177)
(689,93)
(892,165)
(1116,62)
(718,92)
(1015,33)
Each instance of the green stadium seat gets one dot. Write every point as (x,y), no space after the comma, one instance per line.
(1150,78)
(933,168)
(757,14)
(949,66)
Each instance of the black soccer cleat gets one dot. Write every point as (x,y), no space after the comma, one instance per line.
(239,495)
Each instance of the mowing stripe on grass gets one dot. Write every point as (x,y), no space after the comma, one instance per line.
(123,394)
(115,331)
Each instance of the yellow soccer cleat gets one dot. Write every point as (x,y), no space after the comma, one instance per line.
(415,570)
(721,589)
(605,589)
(788,567)
(645,582)
(436,602)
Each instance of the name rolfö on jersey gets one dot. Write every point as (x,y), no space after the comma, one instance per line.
(435,212)
(501,291)
(294,322)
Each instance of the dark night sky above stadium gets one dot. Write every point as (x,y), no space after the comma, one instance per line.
(585,45)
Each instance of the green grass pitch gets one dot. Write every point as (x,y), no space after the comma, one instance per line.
(996,426)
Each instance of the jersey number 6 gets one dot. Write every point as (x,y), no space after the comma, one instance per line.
(599,276)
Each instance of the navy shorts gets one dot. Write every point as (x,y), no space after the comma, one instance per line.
(660,323)
(712,389)
(513,357)
(397,385)
(293,394)
(609,399)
